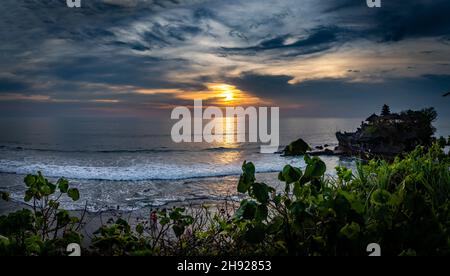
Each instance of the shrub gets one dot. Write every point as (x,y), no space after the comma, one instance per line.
(403,206)
(45,229)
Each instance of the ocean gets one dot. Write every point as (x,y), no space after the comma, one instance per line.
(129,163)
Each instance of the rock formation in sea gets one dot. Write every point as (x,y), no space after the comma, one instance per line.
(389,134)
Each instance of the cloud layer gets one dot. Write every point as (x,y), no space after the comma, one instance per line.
(313,58)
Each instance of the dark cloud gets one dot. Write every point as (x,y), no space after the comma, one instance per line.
(318,39)
(343,97)
(395,20)
(403,19)
(12,86)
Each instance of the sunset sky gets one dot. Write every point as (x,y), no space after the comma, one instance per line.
(143,57)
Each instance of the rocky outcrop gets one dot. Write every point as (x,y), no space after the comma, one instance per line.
(298,147)
(389,135)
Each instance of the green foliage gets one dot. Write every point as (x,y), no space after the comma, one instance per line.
(344,174)
(403,205)
(117,237)
(45,229)
(74,194)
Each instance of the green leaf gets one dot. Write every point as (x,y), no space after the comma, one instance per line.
(247,210)
(52,188)
(356,204)
(53,204)
(63,217)
(122,222)
(380,197)
(63,185)
(297,189)
(46,190)
(140,229)
(29,180)
(344,174)
(188,220)
(28,196)
(74,194)
(277,199)
(396,198)
(178,229)
(261,212)
(33,245)
(175,214)
(297,209)
(291,174)
(247,178)
(72,237)
(316,168)
(164,221)
(350,231)
(275,225)
(261,192)
(4,242)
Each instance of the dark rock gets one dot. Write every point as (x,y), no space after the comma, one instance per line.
(326,152)
(299,147)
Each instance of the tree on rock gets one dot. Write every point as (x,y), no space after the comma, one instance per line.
(386,110)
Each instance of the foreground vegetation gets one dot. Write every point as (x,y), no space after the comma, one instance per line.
(403,206)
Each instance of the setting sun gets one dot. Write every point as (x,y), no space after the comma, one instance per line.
(220,94)
(228,95)
(225,91)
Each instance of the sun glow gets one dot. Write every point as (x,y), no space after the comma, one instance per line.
(225,91)
(219,94)
(228,96)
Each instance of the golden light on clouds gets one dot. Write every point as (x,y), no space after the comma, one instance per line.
(219,94)
(105,101)
(222,94)
(157,91)
(225,91)
(15,97)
